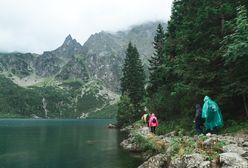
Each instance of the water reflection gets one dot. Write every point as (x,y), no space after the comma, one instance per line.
(62,144)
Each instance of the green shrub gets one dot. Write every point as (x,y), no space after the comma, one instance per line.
(144,143)
(180,146)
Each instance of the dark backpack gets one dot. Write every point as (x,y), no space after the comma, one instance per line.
(154,120)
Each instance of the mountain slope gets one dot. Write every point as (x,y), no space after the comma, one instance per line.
(105,52)
(75,80)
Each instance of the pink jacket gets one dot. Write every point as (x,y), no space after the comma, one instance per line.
(151,124)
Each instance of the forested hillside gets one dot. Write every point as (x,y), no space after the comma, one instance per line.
(203,52)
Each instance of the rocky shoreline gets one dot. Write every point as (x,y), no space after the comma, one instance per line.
(174,151)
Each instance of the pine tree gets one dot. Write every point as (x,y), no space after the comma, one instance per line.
(132,82)
(157,60)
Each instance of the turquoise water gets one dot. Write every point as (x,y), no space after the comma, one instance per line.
(35,143)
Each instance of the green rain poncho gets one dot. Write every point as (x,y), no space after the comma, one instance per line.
(211,112)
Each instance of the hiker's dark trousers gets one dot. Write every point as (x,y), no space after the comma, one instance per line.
(153,129)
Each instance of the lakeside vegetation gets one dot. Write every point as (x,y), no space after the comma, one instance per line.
(176,142)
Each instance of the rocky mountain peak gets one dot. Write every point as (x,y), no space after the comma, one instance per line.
(68,38)
(69,48)
(69,41)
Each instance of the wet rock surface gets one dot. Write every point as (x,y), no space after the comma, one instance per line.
(232,160)
(159,160)
(232,154)
(128,145)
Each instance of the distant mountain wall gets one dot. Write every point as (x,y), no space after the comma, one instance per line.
(73,68)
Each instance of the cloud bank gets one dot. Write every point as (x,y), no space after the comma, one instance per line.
(41,25)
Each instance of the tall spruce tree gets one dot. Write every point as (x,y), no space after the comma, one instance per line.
(160,79)
(132,84)
(156,61)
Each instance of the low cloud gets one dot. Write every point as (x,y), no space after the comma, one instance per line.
(41,25)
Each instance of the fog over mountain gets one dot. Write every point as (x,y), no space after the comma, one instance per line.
(100,57)
(41,25)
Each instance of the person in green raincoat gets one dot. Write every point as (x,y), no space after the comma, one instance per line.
(212,115)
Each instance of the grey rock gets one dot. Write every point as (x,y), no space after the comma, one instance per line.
(208,143)
(177,163)
(68,49)
(232,160)
(128,145)
(17,64)
(111,126)
(35,116)
(205,164)
(144,131)
(245,144)
(74,70)
(157,161)
(48,64)
(193,160)
(234,149)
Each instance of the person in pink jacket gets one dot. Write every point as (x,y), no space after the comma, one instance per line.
(153,123)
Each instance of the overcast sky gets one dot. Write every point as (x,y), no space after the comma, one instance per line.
(42,25)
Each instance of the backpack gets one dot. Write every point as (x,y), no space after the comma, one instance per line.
(154,120)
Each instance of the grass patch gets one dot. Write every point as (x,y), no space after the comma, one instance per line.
(73,85)
(138,124)
(108,111)
(150,143)
(184,127)
(181,146)
(233,127)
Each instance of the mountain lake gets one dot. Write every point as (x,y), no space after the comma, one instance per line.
(62,143)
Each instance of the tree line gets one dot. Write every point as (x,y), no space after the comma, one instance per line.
(203,52)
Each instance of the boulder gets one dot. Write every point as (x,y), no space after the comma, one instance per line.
(112,126)
(245,144)
(205,164)
(128,145)
(144,130)
(193,160)
(35,116)
(209,143)
(177,162)
(234,148)
(232,160)
(157,161)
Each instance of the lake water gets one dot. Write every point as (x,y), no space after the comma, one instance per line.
(31,143)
